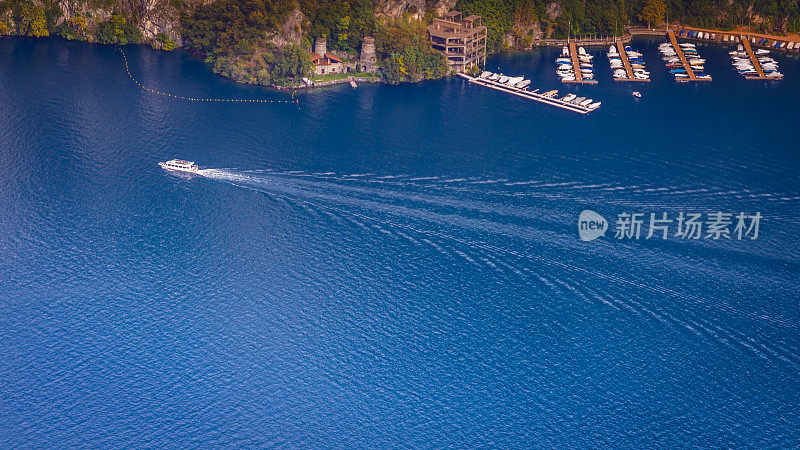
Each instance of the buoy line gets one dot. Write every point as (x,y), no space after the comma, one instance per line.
(193,99)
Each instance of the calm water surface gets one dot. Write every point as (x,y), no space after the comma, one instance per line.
(390,265)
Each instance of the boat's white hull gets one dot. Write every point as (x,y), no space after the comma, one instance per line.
(192,169)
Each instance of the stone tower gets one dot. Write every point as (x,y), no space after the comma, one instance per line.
(368,50)
(321,46)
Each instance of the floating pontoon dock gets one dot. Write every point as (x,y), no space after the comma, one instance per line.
(528,94)
(576,66)
(756,63)
(685,62)
(628,69)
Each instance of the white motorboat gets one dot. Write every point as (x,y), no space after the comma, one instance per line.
(569,97)
(485,74)
(180,165)
(523,84)
(503,79)
(513,81)
(594,105)
(586,102)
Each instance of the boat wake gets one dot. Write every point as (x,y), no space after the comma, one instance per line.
(530,240)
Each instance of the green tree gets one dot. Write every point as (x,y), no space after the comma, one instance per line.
(166,42)
(405,53)
(117,30)
(653,12)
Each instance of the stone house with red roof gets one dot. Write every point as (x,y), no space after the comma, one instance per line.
(325,62)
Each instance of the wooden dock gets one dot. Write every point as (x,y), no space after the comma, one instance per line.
(576,66)
(756,63)
(528,94)
(684,61)
(628,69)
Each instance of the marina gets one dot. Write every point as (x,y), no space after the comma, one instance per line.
(579,58)
(675,56)
(570,102)
(756,64)
(626,72)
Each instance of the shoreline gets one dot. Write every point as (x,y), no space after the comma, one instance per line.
(630,34)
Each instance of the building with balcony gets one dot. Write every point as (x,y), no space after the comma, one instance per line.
(461,40)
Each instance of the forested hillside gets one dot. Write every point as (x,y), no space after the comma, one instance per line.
(268,41)
(516,22)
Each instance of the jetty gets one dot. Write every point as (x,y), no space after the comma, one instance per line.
(576,66)
(531,95)
(625,62)
(756,63)
(684,61)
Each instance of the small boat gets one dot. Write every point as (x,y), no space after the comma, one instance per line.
(594,105)
(677,71)
(637,94)
(577,101)
(565,51)
(503,79)
(581,51)
(179,165)
(523,84)
(586,102)
(485,74)
(494,77)
(513,81)
(551,94)
(568,97)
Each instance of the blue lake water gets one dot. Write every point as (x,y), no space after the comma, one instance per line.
(391,265)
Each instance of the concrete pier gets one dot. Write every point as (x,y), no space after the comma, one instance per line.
(528,94)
